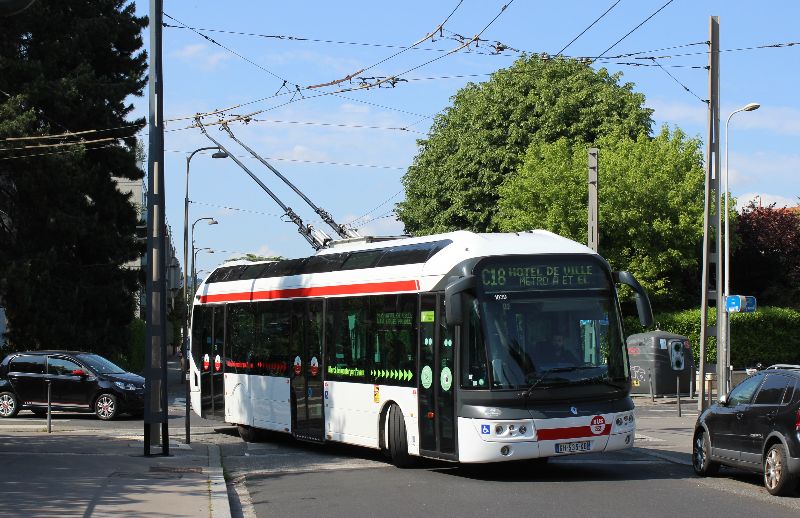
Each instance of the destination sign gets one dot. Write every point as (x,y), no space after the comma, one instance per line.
(541,273)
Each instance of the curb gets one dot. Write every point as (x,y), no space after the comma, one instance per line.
(217,489)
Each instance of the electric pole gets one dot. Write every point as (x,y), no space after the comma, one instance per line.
(155,361)
(593,231)
(712,241)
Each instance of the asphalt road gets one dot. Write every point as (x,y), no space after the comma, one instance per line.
(296,480)
(280,476)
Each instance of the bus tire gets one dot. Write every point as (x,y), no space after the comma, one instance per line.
(248,433)
(398,439)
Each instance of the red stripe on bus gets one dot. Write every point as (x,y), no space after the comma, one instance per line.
(576,432)
(319,291)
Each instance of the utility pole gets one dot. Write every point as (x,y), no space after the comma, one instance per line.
(155,361)
(712,241)
(593,232)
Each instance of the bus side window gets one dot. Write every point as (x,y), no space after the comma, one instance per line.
(473,355)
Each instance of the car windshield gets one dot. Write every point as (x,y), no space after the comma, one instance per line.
(539,336)
(99,364)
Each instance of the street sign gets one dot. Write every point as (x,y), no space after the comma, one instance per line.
(734,303)
(740,304)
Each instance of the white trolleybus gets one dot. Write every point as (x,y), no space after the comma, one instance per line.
(460,346)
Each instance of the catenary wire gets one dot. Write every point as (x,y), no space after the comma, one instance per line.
(635,28)
(589,27)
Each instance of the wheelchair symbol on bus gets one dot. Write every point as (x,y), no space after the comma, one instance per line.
(485,429)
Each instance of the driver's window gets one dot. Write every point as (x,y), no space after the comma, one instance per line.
(743,392)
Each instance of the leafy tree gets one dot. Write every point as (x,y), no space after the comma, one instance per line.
(483,137)
(766,263)
(651,205)
(66,230)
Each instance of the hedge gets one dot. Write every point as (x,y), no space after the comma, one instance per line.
(768,336)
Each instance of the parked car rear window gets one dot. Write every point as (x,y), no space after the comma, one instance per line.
(771,391)
(30,364)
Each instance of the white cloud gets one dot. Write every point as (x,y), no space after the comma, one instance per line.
(266,251)
(199,55)
(189,51)
(778,119)
(782,120)
(674,112)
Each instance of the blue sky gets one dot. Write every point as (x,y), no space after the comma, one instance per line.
(348,152)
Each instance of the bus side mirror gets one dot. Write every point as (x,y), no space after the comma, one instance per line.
(454,299)
(642,300)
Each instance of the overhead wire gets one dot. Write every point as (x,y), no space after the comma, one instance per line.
(679,82)
(384,60)
(215,42)
(635,28)
(565,47)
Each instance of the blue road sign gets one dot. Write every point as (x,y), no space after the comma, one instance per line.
(750,304)
(734,303)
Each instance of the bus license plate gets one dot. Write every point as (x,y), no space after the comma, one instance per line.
(573,447)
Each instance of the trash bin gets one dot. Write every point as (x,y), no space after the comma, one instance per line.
(663,358)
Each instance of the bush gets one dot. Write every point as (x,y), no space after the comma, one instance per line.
(768,336)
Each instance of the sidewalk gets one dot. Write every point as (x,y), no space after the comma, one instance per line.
(660,432)
(103,472)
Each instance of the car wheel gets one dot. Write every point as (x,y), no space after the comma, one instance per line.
(777,478)
(106,407)
(701,456)
(398,438)
(9,405)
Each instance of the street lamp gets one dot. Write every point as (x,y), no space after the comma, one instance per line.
(219,154)
(194,261)
(726,327)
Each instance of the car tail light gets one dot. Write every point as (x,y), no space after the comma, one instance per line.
(797,421)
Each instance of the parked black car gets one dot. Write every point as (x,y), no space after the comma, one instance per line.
(78,381)
(756,427)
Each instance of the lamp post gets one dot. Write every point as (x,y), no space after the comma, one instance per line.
(724,352)
(187,299)
(194,260)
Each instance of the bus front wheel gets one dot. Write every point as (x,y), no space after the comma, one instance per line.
(398,439)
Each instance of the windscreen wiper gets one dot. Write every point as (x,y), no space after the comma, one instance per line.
(542,377)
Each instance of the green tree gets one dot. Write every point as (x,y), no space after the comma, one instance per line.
(66,229)
(483,137)
(651,205)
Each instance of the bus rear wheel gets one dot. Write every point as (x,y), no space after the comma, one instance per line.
(248,433)
(398,438)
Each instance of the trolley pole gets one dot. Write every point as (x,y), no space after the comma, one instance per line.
(593,233)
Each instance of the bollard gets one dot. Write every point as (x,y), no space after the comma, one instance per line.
(710,387)
(678,392)
(650,382)
(691,387)
(49,409)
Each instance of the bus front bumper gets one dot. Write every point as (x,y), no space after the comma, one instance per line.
(486,440)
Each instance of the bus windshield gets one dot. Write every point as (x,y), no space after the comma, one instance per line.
(550,321)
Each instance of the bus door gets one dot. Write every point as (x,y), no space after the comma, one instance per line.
(308,419)
(436,385)
(216,365)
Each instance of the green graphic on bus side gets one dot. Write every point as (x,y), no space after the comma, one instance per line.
(426,376)
(426,316)
(392,374)
(344,371)
(446,379)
